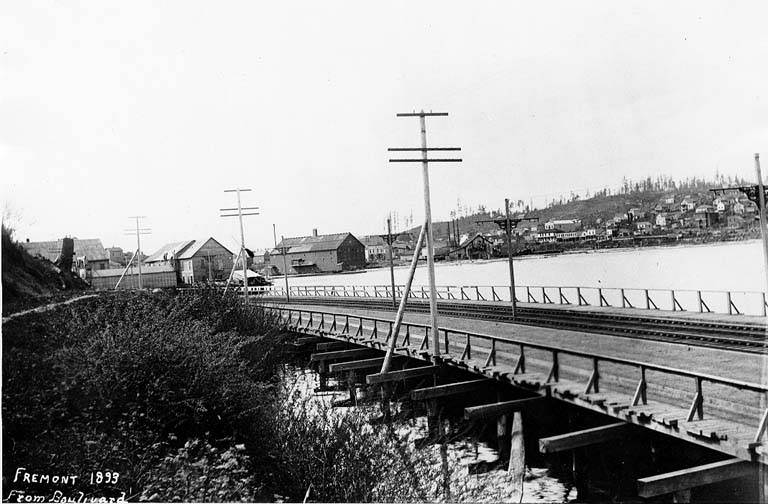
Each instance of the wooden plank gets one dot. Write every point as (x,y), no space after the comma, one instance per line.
(426,393)
(308,340)
(493,410)
(332,345)
(342,354)
(359,364)
(403,374)
(692,477)
(582,438)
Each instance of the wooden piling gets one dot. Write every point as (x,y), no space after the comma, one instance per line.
(516,467)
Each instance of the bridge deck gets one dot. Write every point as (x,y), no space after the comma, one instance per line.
(730,414)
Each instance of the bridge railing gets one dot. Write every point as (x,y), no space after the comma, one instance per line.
(491,350)
(675,300)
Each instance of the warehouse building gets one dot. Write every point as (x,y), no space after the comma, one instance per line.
(151,278)
(319,254)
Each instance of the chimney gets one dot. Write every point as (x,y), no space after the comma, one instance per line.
(314,232)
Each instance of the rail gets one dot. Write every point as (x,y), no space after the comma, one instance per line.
(462,340)
(675,300)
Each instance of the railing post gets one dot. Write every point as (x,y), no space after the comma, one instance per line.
(578,294)
(623,299)
(445,336)
(674,301)
(641,390)
(647,300)
(520,366)
(554,373)
(594,381)
(765,305)
(697,407)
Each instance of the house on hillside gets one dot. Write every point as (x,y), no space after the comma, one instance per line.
(319,253)
(688,204)
(563,224)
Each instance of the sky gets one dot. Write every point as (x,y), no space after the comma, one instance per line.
(114,109)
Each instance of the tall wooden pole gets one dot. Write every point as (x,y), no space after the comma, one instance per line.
(138,244)
(763,476)
(430,240)
(391,262)
(761,203)
(284,250)
(244,254)
(511,262)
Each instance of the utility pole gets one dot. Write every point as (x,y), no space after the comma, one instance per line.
(388,238)
(507,224)
(761,207)
(284,251)
(239,215)
(138,232)
(427,208)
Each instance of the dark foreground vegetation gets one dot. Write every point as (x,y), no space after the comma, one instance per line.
(181,395)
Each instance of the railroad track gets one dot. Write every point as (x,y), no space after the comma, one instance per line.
(717,334)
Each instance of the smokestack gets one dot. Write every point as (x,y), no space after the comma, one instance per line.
(314,232)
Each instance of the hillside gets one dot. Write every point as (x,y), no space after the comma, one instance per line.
(29,281)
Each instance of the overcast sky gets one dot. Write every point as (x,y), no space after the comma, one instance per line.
(112,109)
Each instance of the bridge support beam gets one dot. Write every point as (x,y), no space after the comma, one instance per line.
(357,364)
(582,438)
(680,482)
(427,393)
(494,410)
(342,354)
(404,374)
(332,345)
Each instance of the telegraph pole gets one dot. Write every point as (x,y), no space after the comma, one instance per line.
(239,215)
(138,232)
(508,224)
(427,208)
(761,207)
(389,239)
(284,251)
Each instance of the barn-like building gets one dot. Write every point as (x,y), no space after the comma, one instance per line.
(319,254)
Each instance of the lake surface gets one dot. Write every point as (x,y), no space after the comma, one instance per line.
(721,266)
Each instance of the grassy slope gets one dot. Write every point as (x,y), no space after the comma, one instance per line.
(29,281)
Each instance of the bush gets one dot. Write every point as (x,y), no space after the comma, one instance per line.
(101,384)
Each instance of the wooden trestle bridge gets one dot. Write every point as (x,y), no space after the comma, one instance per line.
(702,391)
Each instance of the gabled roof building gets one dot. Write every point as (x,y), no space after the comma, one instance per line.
(319,253)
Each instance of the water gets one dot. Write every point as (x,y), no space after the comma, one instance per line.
(722,266)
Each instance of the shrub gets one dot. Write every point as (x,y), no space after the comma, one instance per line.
(98,384)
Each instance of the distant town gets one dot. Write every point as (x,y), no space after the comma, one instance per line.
(652,213)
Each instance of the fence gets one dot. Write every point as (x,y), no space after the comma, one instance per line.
(676,300)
